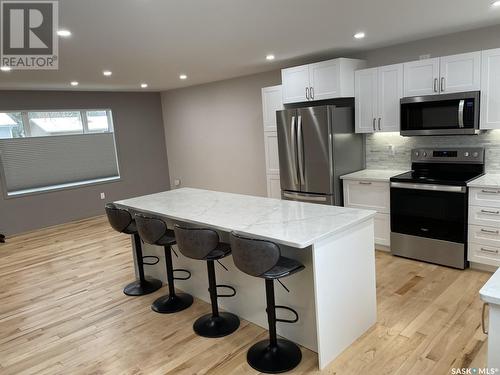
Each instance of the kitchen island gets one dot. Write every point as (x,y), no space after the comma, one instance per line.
(335,295)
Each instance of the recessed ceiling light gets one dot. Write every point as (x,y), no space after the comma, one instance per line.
(496,4)
(359,35)
(107,73)
(74,83)
(144,85)
(183,76)
(5,68)
(270,57)
(64,33)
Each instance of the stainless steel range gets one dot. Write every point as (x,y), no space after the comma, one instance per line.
(429,205)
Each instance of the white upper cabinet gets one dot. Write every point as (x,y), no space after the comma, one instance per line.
(365,100)
(295,83)
(421,77)
(271,102)
(460,73)
(443,75)
(323,80)
(490,89)
(377,96)
(390,92)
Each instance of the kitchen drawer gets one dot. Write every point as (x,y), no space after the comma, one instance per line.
(484,216)
(484,235)
(484,254)
(382,224)
(369,195)
(484,197)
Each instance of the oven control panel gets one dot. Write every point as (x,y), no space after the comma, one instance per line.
(448,155)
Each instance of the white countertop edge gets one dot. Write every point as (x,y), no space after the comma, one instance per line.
(490,292)
(378,175)
(370,215)
(487,181)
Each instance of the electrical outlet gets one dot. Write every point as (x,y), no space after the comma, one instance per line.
(177,182)
(103,196)
(392,150)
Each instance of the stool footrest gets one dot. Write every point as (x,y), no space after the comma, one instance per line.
(295,320)
(227,287)
(150,257)
(182,270)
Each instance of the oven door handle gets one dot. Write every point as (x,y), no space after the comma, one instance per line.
(429,187)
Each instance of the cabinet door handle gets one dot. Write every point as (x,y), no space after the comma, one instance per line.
(442,84)
(489,251)
(490,212)
(483,325)
(307,93)
(489,231)
(364,183)
(311,91)
(435,85)
(489,191)
(379,119)
(374,128)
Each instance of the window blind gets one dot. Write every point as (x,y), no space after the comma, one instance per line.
(40,162)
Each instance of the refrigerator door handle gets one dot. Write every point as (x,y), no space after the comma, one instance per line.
(294,148)
(300,148)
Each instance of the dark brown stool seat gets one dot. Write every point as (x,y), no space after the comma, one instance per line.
(263,259)
(122,221)
(154,231)
(203,244)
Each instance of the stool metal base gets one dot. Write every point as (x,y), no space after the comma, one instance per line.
(216,326)
(138,288)
(172,303)
(273,360)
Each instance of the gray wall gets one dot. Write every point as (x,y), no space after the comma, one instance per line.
(214,134)
(466,41)
(141,152)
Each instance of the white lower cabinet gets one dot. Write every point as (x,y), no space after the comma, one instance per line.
(382,224)
(273,186)
(371,195)
(484,226)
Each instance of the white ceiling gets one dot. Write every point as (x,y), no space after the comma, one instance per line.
(154,41)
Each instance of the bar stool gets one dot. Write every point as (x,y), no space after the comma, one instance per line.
(154,231)
(263,259)
(122,221)
(204,244)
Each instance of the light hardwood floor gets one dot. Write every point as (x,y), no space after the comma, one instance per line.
(62,310)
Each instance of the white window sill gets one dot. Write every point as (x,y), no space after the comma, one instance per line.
(70,185)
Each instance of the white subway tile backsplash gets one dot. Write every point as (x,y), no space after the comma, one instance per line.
(379,154)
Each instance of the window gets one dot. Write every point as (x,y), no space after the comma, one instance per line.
(11,125)
(51,150)
(51,123)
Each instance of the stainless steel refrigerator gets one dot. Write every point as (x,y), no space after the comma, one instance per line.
(316,146)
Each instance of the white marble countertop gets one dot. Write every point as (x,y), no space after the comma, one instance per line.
(290,223)
(382,175)
(489,180)
(490,292)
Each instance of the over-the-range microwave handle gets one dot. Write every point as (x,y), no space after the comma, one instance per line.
(293,130)
(300,153)
(461,105)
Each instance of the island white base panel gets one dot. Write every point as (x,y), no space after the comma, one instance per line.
(494,337)
(335,295)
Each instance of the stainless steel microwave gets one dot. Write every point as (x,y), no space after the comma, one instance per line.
(444,114)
